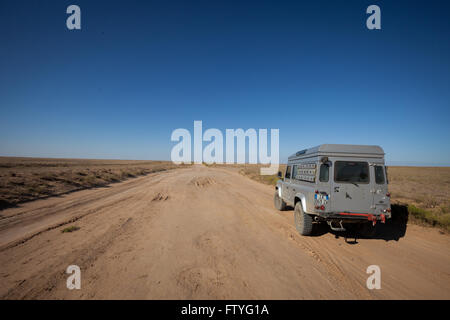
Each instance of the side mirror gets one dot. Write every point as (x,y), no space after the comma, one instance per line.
(279,174)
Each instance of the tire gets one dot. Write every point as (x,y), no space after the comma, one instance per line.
(303,221)
(279,203)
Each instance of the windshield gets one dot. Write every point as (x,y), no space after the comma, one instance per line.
(351,171)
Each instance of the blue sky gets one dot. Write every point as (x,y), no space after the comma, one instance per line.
(140,69)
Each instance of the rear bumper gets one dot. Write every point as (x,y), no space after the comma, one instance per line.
(352,217)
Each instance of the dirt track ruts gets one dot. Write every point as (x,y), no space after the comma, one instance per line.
(202,233)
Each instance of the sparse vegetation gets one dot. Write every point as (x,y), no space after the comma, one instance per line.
(70,229)
(25,179)
(430,218)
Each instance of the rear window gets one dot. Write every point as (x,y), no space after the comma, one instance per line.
(351,171)
(379,175)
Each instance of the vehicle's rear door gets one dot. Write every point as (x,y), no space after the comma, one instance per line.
(351,188)
(379,188)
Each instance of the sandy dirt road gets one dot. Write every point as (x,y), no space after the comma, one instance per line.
(202,233)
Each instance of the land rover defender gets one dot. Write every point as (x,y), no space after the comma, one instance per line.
(336,184)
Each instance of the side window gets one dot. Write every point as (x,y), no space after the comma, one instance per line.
(294,171)
(288,172)
(304,172)
(324,173)
(379,175)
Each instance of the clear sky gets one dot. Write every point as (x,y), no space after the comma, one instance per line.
(140,69)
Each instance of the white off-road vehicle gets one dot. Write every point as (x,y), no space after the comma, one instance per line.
(336,184)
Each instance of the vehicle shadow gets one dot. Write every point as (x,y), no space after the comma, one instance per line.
(393,229)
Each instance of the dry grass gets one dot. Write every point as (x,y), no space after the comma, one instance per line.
(424,190)
(25,179)
(70,229)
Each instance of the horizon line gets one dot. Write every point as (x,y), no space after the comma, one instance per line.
(388,163)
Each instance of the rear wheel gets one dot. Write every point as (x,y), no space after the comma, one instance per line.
(367,229)
(279,203)
(303,221)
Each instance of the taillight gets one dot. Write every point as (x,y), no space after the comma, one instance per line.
(388,194)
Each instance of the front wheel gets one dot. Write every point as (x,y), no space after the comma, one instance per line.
(303,221)
(279,203)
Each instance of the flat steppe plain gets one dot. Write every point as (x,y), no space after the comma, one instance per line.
(204,232)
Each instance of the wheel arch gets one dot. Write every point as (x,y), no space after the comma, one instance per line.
(278,190)
(300,197)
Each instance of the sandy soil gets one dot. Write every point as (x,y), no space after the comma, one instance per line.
(201,233)
(28,179)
